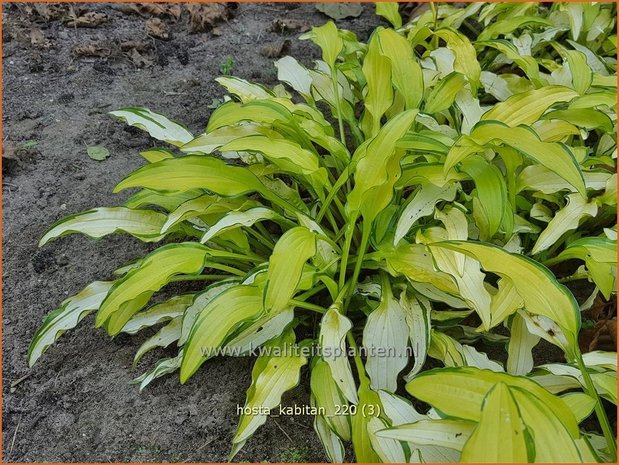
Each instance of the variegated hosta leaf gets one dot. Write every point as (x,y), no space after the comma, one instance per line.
(236,219)
(157,125)
(466,57)
(389,450)
(130,293)
(329,397)
(368,407)
(293,249)
(144,224)
(333,329)
(158,313)
(254,334)
(521,343)
(385,337)
(218,318)
(273,374)
(417,315)
(537,286)
(67,316)
(454,354)
(448,433)
(168,334)
(163,367)
(330,441)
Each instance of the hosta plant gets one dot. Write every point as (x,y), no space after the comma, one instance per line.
(382,220)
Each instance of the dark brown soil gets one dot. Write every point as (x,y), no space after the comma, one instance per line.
(76,404)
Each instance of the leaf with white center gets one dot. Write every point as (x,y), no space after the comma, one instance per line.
(208,142)
(444,433)
(163,367)
(330,441)
(369,402)
(528,107)
(236,219)
(537,286)
(539,178)
(163,338)
(389,450)
(505,302)
(295,247)
(417,314)
(257,333)
(216,321)
(599,358)
(580,404)
(243,89)
(67,316)
(333,329)
(466,57)
(157,125)
(99,222)
(566,219)
(422,204)
(500,435)
(385,337)
(444,93)
(399,410)
(296,75)
(520,346)
(271,377)
(159,313)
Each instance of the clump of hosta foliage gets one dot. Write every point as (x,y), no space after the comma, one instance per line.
(411,196)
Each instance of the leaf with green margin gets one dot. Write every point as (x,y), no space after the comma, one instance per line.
(243,89)
(292,251)
(163,367)
(255,333)
(208,142)
(444,93)
(329,41)
(500,434)
(329,397)
(142,282)
(216,321)
(258,111)
(505,26)
(168,334)
(547,427)
(273,374)
(566,219)
(528,107)
(67,316)
(583,118)
(157,125)
(333,329)
(99,222)
(460,392)
(361,440)
(158,313)
(448,433)
(520,346)
(156,154)
(418,322)
(330,441)
(538,287)
(466,57)
(554,156)
(237,219)
(166,201)
(389,450)
(528,64)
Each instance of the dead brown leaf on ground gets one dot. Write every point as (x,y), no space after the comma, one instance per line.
(92,50)
(172,10)
(138,59)
(139,45)
(155,27)
(285,26)
(38,39)
(276,50)
(89,19)
(204,16)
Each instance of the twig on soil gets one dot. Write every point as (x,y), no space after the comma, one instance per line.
(18,381)
(14,437)
(283,431)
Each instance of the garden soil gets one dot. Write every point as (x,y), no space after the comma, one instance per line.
(64,68)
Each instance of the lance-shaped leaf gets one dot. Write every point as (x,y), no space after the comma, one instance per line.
(406,74)
(130,293)
(157,125)
(273,374)
(367,408)
(505,26)
(528,107)
(385,337)
(500,435)
(422,204)
(389,450)
(243,89)
(70,313)
(254,334)
(448,433)
(328,396)
(208,142)
(257,111)
(554,156)
(293,249)
(389,11)
(236,219)
(460,392)
(163,367)
(417,315)
(379,94)
(537,286)
(159,313)
(528,64)
(98,222)
(296,75)
(216,321)
(163,338)
(444,93)
(328,39)
(331,442)
(333,329)
(466,57)
(566,219)
(377,168)
(521,343)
